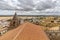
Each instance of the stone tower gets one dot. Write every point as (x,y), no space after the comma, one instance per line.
(14,22)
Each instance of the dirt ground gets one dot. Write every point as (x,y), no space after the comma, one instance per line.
(26,31)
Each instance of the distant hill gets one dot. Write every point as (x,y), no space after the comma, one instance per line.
(30,15)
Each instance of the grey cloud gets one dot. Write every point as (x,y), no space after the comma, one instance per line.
(28,5)
(27,2)
(4,5)
(45,5)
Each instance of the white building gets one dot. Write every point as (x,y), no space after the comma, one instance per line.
(4,26)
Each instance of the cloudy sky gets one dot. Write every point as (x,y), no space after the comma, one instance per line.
(27,7)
